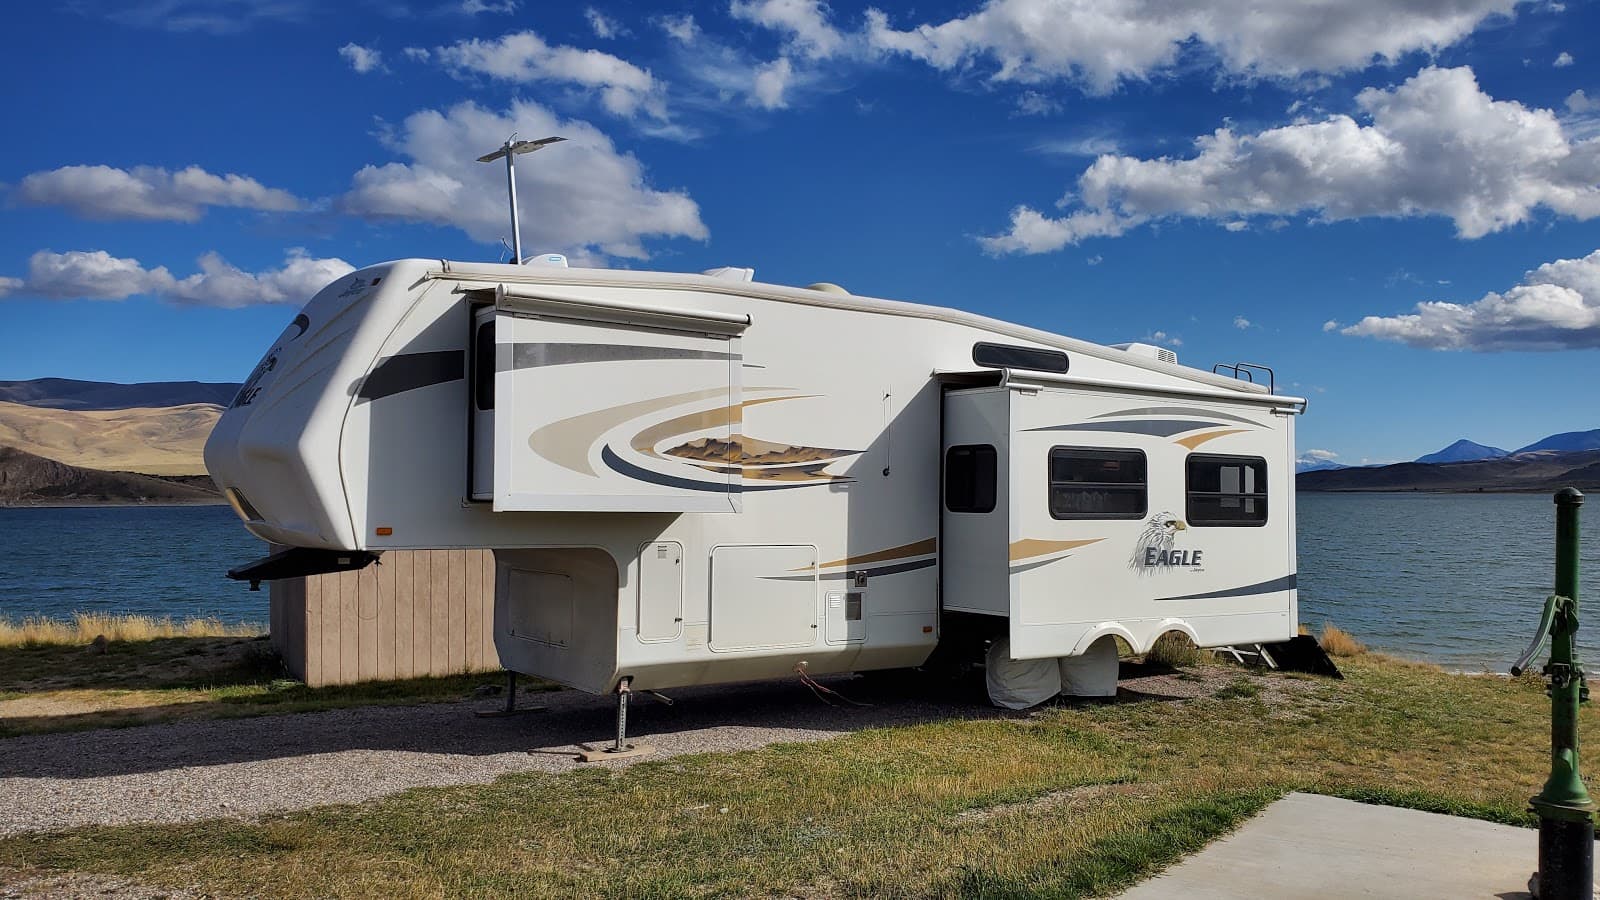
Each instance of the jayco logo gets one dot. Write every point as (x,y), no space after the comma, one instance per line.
(1155,550)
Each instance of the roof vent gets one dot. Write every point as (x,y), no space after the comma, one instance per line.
(1148,350)
(558,260)
(731,273)
(827,287)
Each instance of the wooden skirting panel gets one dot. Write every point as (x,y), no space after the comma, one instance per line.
(413,613)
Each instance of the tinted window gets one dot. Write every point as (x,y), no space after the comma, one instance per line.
(969,478)
(1005,356)
(483,366)
(1097,484)
(1227,490)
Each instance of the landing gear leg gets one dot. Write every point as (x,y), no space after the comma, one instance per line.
(510,708)
(620,748)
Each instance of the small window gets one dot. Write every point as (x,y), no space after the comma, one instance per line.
(1006,356)
(1090,483)
(1227,490)
(969,478)
(483,367)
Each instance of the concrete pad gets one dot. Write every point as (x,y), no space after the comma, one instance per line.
(1309,846)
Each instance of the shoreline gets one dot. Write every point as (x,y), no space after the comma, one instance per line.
(75,504)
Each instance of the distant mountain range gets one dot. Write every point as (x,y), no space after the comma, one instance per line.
(66,393)
(1537,470)
(28,480)
(1463,451)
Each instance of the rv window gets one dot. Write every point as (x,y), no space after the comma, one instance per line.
(1097,484)
(969,478)
(1005,356)
(483,367)
(1227,490)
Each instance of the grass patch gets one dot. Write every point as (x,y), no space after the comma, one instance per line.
(1239,689)
(85,628)
(1175,651)
(1338,642)
(1068,802)
(51,687)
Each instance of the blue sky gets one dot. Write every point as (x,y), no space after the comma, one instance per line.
(1281,183)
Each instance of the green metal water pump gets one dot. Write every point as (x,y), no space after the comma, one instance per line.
(1566,812)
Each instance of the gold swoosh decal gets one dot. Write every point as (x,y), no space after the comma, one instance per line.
(1028,548)
(646,440)
(566,442)
(919,548)
(1195,440)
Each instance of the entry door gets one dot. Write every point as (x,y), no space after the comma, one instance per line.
(976,502)
(483,368)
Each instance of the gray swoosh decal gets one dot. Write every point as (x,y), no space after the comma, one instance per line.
(1157,427)
(1176,411)
(409,371)
(1285,583)
(638,473)
(533,355)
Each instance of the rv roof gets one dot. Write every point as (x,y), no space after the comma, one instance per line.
(505,273)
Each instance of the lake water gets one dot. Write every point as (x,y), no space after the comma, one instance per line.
(1455,578)
(1459,579)
(151,560)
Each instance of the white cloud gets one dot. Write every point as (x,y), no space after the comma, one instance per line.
(1236,225)
(771,82)
(205,16)
(148,193)
(9,285)
(1037,103)
(804,23)
(1330,325)
(97,275)
(362,59)
(493,7)
(579,197)
(417,54)
(604,26)
(1090,145)
(1241,323)
(525,58)
(1556,307)
(1095,260)
(1161,337)
(1579,102)
(680,28)
(1315,455)
(1436,145)
(1563,60)
(1103,43)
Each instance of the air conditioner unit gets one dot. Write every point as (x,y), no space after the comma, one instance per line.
(1149,350)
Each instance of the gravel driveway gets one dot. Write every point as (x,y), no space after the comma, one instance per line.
(246,767)
(242,768)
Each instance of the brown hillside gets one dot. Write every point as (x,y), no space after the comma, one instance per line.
(26,479)
(159,441)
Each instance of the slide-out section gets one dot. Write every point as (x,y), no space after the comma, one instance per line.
(605,405)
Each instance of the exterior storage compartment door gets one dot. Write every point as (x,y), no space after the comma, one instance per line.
(604,405)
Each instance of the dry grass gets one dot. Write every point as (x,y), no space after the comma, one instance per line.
(1175,650)
(1338,642)
(84,628)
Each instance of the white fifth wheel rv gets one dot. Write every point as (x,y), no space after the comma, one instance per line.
(691,479)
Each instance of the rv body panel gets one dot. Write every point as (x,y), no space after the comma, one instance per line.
(743,478)
(1088,530)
